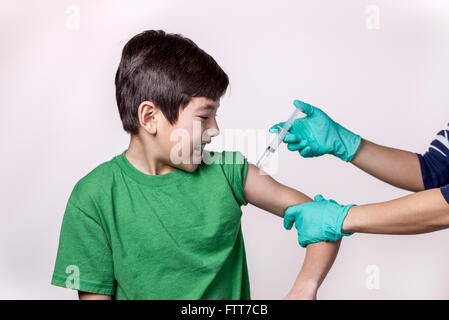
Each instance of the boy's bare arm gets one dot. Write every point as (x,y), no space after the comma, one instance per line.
(266,193)
(82,295)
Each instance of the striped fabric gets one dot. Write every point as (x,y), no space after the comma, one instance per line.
(435,164)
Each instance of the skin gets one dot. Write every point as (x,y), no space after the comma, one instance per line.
(320,256)
(393,166)
(421,212)
(149,152)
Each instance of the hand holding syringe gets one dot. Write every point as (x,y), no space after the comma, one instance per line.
(272,147)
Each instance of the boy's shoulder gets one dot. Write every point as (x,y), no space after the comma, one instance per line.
(95,183)
(234,167)
(98,183)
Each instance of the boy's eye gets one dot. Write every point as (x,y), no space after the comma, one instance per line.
(206,117)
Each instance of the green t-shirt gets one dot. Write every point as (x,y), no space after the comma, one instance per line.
(171,236)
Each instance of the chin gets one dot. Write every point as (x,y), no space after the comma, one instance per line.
(188,167)
(192,164)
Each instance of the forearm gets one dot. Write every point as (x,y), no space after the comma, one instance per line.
(319,259)
(420,212)
(396,167)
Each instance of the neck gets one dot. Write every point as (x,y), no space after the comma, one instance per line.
(142,154)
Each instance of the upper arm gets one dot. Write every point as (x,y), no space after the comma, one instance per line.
(84,258)
(82,295)
(261,190)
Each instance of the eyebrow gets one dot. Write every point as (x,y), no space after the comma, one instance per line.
(207,107)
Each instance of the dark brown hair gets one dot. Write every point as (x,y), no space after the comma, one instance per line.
(167,69)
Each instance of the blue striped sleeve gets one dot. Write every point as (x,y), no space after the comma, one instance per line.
(445,192)
(435,163)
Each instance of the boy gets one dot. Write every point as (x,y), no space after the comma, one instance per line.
(157,221)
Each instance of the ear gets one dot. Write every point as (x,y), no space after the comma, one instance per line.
(148,116)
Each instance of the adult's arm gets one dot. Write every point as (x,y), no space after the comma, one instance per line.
(394,166)
(421,212)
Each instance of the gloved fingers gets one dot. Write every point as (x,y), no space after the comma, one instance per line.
(297,146)
(318,197)
(290,217)
(305,107)
(290,138)
(289,220)
(306,241)
(276,127)
(303,144)
(303,243)
(305,152)
(303,240)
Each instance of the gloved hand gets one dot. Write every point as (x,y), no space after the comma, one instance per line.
(320,220)
(317,134)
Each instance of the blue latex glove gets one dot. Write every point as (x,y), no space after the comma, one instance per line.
(320,220)
(317,134)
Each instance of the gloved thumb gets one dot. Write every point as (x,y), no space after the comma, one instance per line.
(276,127)
(305,107)
(290,217)
(318,197)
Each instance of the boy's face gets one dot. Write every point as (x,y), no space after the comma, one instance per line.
(183,142)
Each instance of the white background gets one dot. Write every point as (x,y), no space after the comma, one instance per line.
(59,120)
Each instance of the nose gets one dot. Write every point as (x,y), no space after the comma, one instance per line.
(213,130)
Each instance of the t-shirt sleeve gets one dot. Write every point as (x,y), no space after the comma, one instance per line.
(235,167)
(445,192)
(435,163)
(84,258)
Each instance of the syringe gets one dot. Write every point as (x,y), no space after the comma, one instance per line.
(279,137)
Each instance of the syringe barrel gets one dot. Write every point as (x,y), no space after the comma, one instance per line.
(289,122)
(274,144)
(284,130)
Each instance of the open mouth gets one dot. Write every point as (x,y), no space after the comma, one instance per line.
(199,147)
(198,151)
